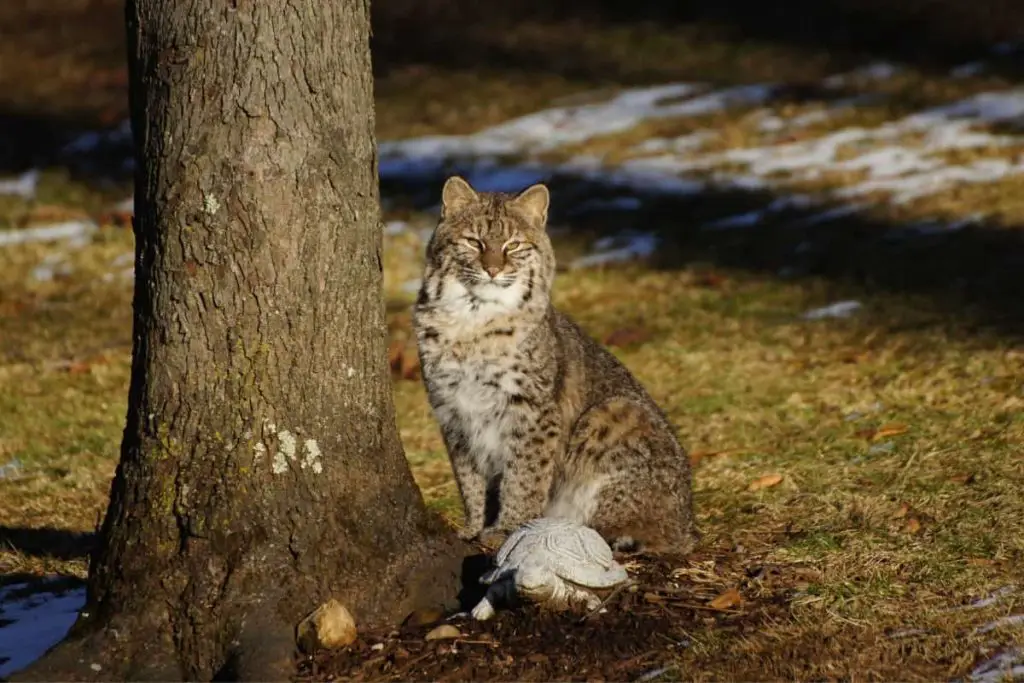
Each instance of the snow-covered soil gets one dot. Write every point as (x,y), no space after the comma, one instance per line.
(852,167)
(33,619)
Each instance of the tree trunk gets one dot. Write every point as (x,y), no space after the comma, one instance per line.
(261,471)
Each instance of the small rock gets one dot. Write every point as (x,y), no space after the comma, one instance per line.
(444,632)
(329,627)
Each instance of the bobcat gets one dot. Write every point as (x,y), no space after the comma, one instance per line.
(538,418)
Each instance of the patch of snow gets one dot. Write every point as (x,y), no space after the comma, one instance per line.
(967,70)
(636,246)
(412,286)
(1008,665)
(930,228)
(740,220)
(37,622)
(124,273)
(1005,48)
(907,188)
(495,178)
(840,309)
(830,215)
(23,186)
(877,71)
(12,469)
(48,233)
(683,143)
(607,204)
(560,126)
(896,172)
(92,140)
(394,228)
(996,597)
(1002,622)
(52,265)
(752,218)
(122,260)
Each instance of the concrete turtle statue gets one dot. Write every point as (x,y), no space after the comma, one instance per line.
(554,562)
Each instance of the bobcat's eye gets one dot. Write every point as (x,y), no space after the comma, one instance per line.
(475,243)
(512,246)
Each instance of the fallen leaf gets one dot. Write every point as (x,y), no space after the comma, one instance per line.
(963,479)
(767,481)
(981,562)
(49,213)
(697,456)
(653,597)
(893,429)
(726,600)
(712,280)
(78,368)
(913,525)
(627,336)
(443,632)
(117,219)
(903,511)
(410,367)
(395,350)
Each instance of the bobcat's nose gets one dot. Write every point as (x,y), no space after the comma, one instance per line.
(493,270)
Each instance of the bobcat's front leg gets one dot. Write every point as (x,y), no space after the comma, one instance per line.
(473,490)
(526,483)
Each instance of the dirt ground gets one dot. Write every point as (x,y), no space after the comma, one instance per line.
(668,623)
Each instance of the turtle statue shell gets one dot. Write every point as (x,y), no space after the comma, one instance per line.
(554,562)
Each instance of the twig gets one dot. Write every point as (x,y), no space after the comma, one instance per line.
(654,673)
(618,589)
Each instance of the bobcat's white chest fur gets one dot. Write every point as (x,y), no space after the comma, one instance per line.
(476,398)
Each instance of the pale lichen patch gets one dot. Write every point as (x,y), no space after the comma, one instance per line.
(280,465)
(211,204)
(288,449)
(287,443)
(311,458)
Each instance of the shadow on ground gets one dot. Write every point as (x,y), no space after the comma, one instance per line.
(59,544)
(933,35)
(973,272)
(965,280)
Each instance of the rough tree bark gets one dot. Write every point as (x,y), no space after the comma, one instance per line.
(261,471)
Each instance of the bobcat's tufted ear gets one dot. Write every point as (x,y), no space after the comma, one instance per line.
(456,195)
(533,203)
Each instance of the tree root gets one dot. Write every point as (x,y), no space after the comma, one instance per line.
(141,647)
(265,652)
(100,655)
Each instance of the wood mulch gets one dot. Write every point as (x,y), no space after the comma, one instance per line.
(641,634)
